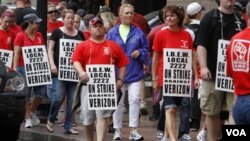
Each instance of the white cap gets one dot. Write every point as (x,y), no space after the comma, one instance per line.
(193,8)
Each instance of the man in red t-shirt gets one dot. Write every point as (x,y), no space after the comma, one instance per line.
(97,50)
(238,68)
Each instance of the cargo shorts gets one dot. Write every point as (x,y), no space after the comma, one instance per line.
(87,116)
(213,101)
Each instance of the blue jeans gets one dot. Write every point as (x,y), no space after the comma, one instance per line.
(184,125)
(241,110)
(63,88)
(51,88)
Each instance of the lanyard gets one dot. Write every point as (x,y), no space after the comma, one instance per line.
(237,22)
(90,51)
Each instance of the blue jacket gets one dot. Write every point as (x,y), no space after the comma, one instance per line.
(136,40)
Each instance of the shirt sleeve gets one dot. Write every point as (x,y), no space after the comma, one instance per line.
(77,54)
(54,35)
(19,40)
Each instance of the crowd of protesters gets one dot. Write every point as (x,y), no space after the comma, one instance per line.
(128,43)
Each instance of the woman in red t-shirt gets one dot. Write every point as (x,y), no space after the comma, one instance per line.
(29,37)
(6,37)
(13,27)
(173,36)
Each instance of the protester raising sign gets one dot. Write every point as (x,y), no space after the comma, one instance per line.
(177,72)
(101,88)
(223,82)
(66,70)
(6,56)
(36,65)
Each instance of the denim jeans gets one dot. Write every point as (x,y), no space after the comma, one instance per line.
(161,122)
(195,112)
(63,88)
(241,110)
(184,125)
(51,88)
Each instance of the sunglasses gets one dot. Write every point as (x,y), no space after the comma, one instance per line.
(51,12)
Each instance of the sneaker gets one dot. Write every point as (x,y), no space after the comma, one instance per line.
(28,123)
(134,135)
(164,139)
(185,137)
(117,135)
(202,135)
(159,134)
(34,119)
(72,132)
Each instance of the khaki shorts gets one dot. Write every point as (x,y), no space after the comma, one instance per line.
(214,101)
(88,117)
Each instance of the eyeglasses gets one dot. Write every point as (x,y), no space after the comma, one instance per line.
(51,12)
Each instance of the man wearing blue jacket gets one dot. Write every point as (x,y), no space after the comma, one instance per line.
(135,44)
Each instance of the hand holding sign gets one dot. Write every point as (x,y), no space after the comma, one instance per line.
(84,78)
(53,69)
(119,84)
(196,83)
(205,73)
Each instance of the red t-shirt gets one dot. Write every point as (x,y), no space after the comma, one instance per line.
(52,26)
(152,34)
(170,39)
(89,52)
(6,40)
(86,34)
(141,22)
(238,62)
(23,40)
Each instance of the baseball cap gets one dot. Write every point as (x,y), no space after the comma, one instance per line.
(95,20)
(193,8)
(31,18)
